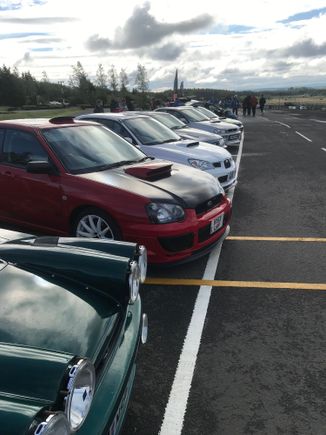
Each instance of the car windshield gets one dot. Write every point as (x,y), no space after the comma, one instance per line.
(169,120)
(90,148)
(207,112)
(148,131)
(194,115)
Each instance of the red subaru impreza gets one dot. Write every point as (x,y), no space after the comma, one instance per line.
(67,177)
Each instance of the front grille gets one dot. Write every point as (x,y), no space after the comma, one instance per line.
(233,130)
(108,349)
(227,163)
(205,232)
(223,179)
(209,204)
(179,243)
(217,164)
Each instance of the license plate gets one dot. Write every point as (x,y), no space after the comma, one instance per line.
(233,136)
(216,223)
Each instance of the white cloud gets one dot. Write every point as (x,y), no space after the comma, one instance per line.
(176,34)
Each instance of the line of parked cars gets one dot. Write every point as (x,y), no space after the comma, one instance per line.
(105,193)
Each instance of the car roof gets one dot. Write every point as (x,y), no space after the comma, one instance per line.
(176,107)
(41,123)
(110,115)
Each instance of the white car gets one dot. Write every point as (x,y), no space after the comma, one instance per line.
(156,140)
(211,115)
(184,130)
(189,115)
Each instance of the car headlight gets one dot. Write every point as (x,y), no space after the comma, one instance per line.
(142,262)
(219,131)
(222,142)
(134,280)
(53,424)
(80,390)
(162,213)
(200,164)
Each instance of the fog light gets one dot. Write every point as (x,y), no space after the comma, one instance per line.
(144,329)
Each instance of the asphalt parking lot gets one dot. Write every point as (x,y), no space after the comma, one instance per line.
(237,340)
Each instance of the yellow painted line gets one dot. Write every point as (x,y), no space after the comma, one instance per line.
(242,284)
(279,239)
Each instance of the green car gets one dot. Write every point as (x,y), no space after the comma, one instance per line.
(70,324)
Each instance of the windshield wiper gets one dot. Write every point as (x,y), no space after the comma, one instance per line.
(170,140)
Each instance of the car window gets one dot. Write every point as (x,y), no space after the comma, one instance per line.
(88,148)
(148,131)
(117,128)
(2,135)
(21,147)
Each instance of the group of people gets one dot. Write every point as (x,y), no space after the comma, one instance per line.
(249,105)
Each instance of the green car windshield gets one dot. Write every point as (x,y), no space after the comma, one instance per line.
(90,148)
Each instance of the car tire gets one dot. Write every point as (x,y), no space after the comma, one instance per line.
(94,223)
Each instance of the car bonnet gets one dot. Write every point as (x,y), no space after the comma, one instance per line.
(186,149)
(68,319)
(181,184)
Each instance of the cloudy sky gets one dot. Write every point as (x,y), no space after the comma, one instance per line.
(233,45)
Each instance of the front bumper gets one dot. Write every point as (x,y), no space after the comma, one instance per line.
(179,241)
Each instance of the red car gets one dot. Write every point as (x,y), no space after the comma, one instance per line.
(67,177)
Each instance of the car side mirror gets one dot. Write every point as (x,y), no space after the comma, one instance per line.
(40,167)
(128,139)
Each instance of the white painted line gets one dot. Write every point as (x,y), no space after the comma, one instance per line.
(177,403)
(282,123)
(318,120)
(324,149)
(238,159)
(304,137)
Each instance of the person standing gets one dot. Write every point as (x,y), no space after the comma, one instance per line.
(246,107)
(253,104)
(235,104)
(98,107)
(262,102)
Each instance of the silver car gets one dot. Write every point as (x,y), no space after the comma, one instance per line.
(184,130)
(189,115)
(211,115)
(157,140)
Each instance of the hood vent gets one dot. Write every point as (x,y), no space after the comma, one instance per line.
(192,144)
(150,171)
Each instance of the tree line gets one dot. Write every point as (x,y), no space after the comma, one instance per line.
(23,90)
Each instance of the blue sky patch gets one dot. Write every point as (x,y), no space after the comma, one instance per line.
(304,15)
(20,35)
(42,49)
(233,28)
(9,5)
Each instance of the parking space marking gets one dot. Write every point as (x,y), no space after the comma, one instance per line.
(177,404)
(324,149)
(279,239)
(241,284)
(304,137)
(282,123)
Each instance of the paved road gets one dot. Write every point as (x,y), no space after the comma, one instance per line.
(261,363)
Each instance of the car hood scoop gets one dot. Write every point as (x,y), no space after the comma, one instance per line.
(150,171)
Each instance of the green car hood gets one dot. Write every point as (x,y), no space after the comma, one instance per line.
(31,374)
(17,413)
(38,313)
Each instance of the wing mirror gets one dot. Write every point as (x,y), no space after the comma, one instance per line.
(40,167)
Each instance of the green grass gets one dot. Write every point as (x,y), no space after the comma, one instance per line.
(42,113)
